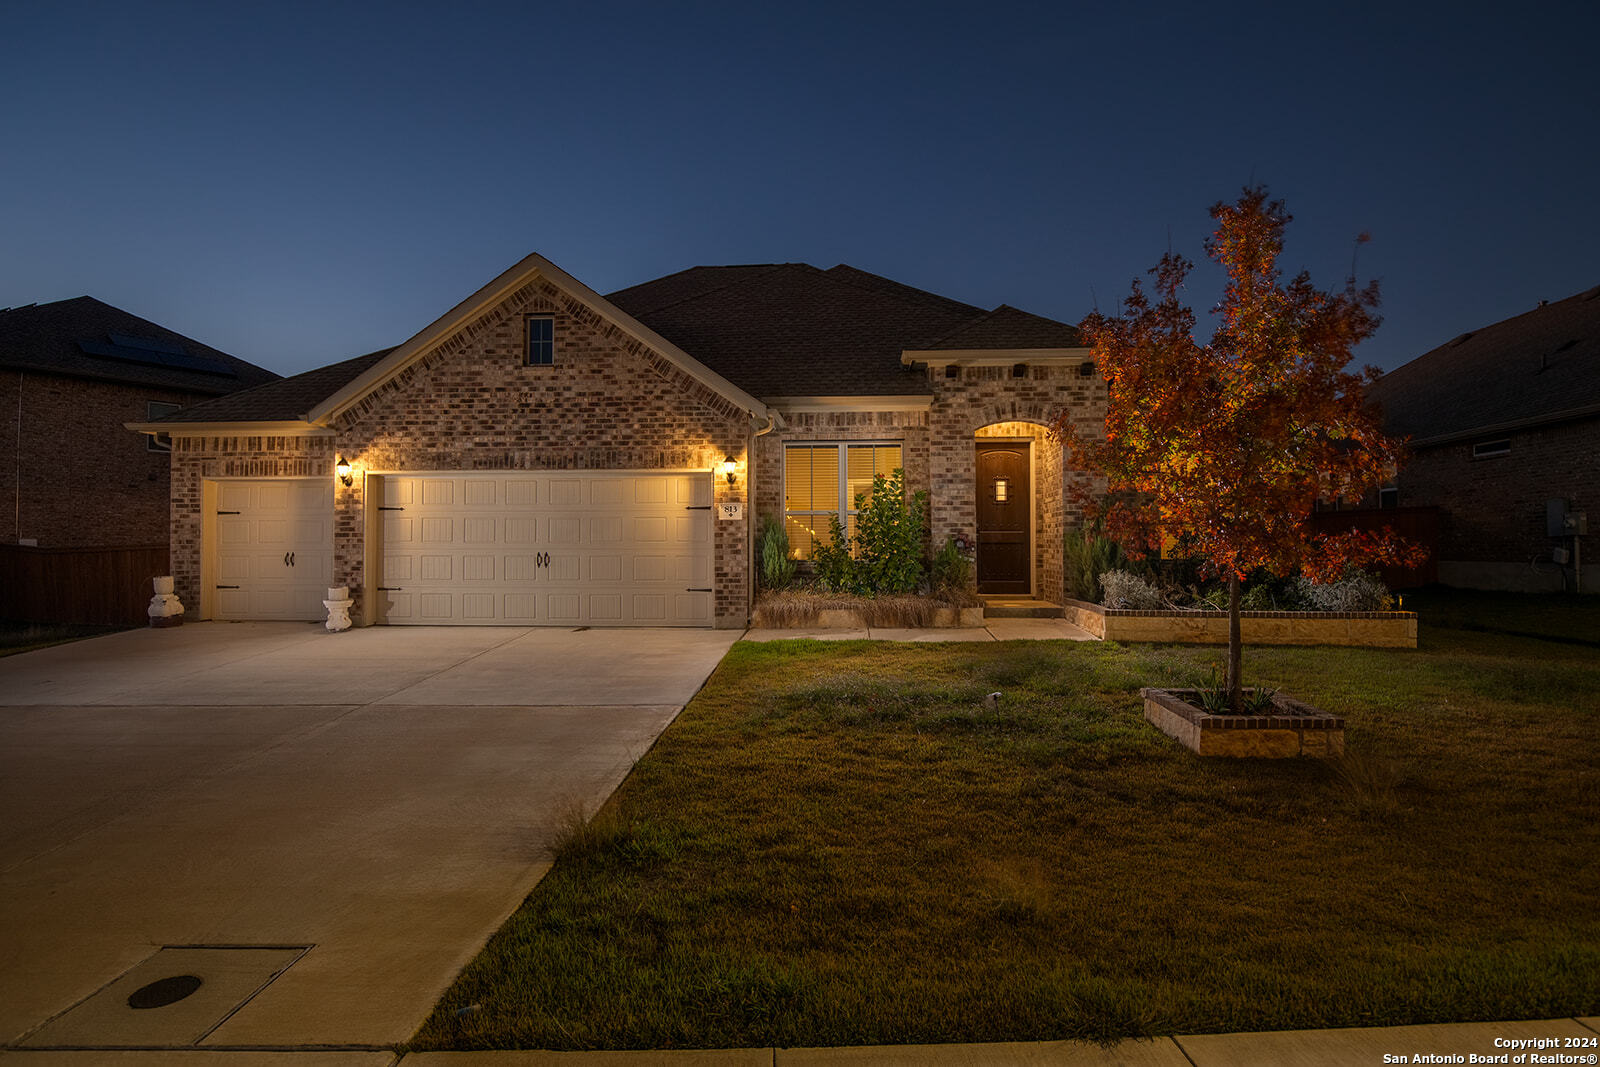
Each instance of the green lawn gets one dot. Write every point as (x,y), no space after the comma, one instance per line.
(837,844)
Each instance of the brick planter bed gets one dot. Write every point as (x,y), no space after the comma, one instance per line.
(1293,729)
(851,619)
(1368,629)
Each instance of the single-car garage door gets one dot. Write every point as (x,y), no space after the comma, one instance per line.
(558,548)
(272,548)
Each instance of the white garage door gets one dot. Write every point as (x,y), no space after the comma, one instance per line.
(536,548)
(273,554)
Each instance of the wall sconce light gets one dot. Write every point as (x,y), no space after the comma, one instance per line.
(341,467)
(728,467)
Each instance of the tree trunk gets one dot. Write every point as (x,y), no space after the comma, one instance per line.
(1235,650)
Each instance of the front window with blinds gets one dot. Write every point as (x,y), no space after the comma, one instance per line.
(824,480)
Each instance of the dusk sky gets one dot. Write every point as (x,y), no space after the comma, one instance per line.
(300,183)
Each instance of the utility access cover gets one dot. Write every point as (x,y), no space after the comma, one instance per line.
(173,999)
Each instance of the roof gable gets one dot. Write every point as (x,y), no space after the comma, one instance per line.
(533,269)
(1540,366)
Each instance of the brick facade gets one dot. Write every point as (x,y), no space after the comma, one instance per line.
(1493,533)
(71,474)
(939,449)
(470,404)
(992,402)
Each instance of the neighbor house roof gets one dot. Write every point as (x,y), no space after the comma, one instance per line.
(87,338)
(791,329)
(1541,366)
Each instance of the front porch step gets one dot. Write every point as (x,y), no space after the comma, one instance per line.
(1013,607)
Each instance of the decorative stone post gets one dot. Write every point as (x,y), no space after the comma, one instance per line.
(165,610)
(338,605)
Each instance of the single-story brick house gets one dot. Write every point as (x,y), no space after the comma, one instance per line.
(542,454)
(1504,429)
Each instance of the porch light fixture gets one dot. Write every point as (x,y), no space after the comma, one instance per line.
(341,467)
(728,467)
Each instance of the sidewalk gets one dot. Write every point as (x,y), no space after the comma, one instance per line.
(1547,1041)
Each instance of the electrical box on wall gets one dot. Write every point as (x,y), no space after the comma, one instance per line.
(1577,523)
(1555,518)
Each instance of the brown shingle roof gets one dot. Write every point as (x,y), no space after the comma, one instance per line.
(87,338)
(789,329)
(773,329)
(284,400)
(1533,367)
(1008,327)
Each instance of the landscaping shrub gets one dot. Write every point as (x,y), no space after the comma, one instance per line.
(1356,591)
(888,539)
(1086,555)
(952,568)
(1129,591)
(832,564)
(772,550)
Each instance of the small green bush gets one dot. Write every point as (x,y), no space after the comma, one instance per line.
(888,539)
(1086,555)
(951,569)
(832,563)
(772,551)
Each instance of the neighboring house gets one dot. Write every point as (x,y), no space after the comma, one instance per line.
(1504,429)
(544,455)
(73,373)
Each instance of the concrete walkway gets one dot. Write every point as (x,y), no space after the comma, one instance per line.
(991,630)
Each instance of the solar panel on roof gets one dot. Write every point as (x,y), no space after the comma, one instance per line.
(152,344)
(147,357)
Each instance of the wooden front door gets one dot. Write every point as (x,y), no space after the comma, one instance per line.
(1004,519)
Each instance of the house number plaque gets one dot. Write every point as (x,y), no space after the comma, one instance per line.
(730,511)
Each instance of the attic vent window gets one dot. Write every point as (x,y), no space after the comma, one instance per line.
(952,371)
(1019,370)
(541,341)
(1490,449)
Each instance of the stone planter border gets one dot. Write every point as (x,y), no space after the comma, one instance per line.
(1369,629)
(1297,729)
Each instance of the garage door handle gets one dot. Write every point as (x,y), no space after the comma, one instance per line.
(382,508)
(224,587)
(390,588)
(698,507)
(227,513)
(692,590)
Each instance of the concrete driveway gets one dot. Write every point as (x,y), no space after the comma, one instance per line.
(332,824)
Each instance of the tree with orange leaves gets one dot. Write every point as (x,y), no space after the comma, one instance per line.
(1228,444)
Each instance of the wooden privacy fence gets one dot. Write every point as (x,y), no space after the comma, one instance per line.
(94,586)
(1418,525)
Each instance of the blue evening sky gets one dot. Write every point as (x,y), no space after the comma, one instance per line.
(300,183)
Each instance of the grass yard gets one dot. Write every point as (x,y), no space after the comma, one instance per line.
(836,843)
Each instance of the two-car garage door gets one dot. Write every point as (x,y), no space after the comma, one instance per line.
(530,548)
